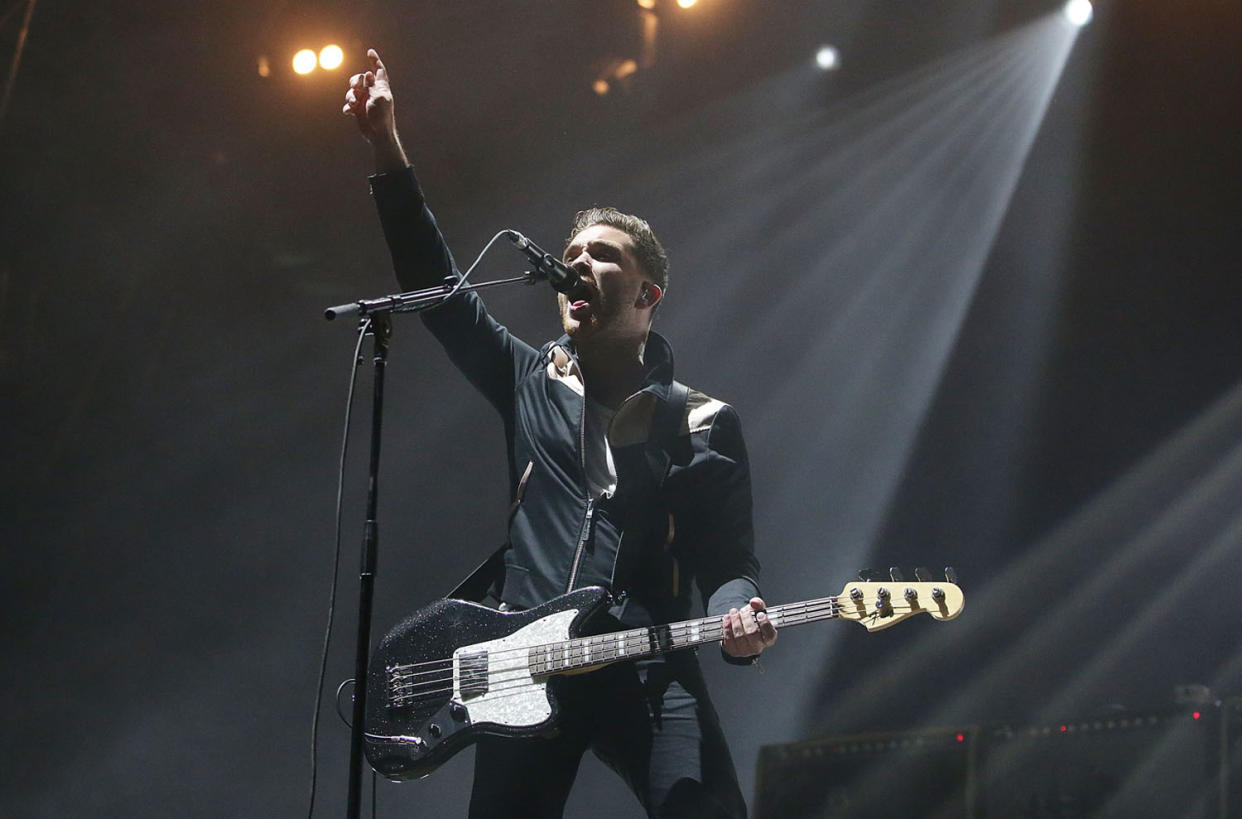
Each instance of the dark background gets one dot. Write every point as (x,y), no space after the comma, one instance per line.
(961,328)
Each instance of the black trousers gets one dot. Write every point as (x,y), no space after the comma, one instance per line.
(650,721)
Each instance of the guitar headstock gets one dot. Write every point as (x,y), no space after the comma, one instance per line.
(877,604)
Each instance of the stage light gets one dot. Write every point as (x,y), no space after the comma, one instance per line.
(827,58)
(685,4)
(1079,12)
(330,57)
(600,86)
(647,4)
(304,61)
(265,68)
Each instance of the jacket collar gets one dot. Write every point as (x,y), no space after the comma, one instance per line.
(657,357)
(634,420)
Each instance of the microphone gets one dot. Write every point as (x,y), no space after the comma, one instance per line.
(547,267)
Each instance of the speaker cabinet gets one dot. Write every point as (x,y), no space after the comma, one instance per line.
(926,773)
(1185,763)
(1122,765)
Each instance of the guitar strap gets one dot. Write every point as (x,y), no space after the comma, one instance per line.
(664,428)
(486,582)
(667,447)
(663,448)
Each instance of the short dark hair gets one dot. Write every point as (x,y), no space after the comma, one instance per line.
(647,247)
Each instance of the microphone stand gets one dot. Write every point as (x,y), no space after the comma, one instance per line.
(378,312)
(416,300)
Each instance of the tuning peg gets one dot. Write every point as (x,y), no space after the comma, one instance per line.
(883,602)
(868,575)
(894,572)
(950,574)
(922,574)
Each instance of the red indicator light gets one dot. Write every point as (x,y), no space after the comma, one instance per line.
(961,737)
(1196,715)
(1064,728)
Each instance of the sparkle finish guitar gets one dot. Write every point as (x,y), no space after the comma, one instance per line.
(454,670)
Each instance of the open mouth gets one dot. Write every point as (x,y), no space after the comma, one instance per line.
(579,300)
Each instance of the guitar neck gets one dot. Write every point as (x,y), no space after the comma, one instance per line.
(636,644)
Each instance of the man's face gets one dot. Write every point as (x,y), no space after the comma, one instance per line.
(608,302)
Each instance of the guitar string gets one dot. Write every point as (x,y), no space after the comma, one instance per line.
(504,681)
(514,679)
(516,675)
(562,653)
(412,691)
(576,656)
(643,636)
(643,633)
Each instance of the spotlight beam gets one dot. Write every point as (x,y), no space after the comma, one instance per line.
(1169,499)
(891,277)
(914,229)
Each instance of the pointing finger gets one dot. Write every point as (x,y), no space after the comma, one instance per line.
(377,65)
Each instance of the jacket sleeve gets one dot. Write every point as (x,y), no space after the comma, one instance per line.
(726,568)
(484,350)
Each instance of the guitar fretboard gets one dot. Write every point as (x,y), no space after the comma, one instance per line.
(601,649)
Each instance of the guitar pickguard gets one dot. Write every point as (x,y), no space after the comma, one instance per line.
(513,698)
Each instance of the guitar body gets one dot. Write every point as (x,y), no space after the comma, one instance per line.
(454,670)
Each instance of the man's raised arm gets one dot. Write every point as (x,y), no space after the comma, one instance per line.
(484,350)
(369,102)
(419,255)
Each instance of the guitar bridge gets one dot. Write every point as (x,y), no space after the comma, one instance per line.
(401,688)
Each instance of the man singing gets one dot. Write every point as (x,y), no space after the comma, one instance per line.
(620,477)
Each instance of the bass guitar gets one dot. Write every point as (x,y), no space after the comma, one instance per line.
(454,670)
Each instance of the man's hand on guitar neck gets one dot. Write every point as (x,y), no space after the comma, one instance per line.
(749,631)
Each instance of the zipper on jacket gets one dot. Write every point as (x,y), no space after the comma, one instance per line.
(582,539)
(586,491)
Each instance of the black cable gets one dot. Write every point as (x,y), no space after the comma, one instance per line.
(340,712)
(336,566)
(458,285)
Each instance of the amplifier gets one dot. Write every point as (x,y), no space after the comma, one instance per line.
(1121,765)
(927,773)
(1185,763)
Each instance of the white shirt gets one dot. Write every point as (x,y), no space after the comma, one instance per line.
(601,473)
